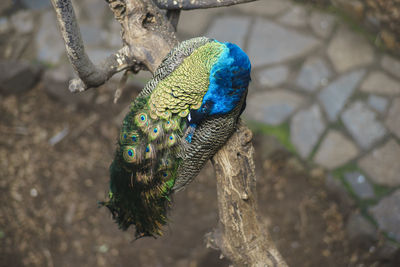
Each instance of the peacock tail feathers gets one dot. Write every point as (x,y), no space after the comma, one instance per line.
(180,119)
(144,169)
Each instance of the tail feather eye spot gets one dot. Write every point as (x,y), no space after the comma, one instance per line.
(155,132)
(184,113)
(123,137)
(129,154)
(172,124)
(171,140)
(149,152)
(166,114)
(128,138)
(168,125)
(142,119)
(165,175)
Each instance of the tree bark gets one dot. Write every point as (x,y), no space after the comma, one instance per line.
(240,236)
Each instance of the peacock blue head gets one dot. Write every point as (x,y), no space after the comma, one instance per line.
(229,79)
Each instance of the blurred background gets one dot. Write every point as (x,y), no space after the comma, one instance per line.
(323,106)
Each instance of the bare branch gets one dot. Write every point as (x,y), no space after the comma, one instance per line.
(89,74)
(113,64)
(196,4)
(240,237)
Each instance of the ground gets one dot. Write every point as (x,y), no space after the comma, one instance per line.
(50,192)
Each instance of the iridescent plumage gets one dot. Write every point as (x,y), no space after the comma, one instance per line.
(181,118)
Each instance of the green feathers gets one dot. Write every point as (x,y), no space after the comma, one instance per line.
(145,166)
(160,148)
(185,87)
(143,171)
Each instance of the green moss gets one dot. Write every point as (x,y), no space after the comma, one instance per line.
(381,191)
(364,204)
(391,239)
(280,132)
(341,171)
(315,149)
(350,167)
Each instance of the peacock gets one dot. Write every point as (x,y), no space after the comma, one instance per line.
(184,114)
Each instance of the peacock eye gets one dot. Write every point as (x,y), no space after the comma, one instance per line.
(171,140)
(184,113)
(141,119)
(155,130)
(168,122)
(149,152)
(133,138)
(165,174)
(130,154)
(125,136)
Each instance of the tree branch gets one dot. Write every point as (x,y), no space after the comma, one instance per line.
(89,74)
(113,64)
(240,237)
(197,4)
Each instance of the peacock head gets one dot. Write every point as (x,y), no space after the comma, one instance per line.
(228,82)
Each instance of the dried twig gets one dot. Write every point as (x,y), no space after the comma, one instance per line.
(197,4)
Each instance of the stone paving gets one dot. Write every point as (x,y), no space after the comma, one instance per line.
(338,95)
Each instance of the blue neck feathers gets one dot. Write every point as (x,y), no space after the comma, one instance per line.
(229,79)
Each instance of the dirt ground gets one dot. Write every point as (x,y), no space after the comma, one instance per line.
(49,191)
